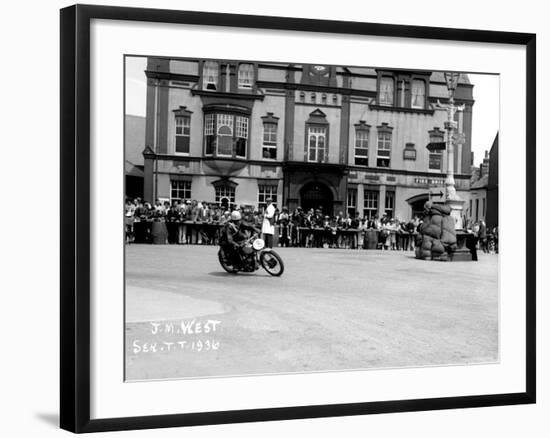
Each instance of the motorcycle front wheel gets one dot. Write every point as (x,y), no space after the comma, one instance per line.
(223,261)
(272,263)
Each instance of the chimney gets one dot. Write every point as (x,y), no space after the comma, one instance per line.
(484,167)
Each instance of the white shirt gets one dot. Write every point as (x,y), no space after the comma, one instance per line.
(267,228)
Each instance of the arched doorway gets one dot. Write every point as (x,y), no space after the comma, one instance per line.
(316,195)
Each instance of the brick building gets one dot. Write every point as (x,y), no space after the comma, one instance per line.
(344,138)
(483,199)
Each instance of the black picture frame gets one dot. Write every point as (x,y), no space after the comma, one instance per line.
(75,217)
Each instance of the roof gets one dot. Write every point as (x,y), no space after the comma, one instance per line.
(481,183)
(130,169)
(134,141)
(439,76)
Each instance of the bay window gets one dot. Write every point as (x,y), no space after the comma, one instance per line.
(225,135)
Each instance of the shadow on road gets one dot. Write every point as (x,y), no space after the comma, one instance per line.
(221,274)
(239,275)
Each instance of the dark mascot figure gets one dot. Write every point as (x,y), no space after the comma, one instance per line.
(437,236)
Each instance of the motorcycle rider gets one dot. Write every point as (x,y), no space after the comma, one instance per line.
(234,233)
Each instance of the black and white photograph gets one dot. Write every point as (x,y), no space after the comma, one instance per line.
(288,218)
(275,219)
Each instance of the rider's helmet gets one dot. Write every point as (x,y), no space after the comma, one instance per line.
(236,216)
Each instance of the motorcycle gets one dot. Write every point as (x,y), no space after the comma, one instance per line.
(253,254)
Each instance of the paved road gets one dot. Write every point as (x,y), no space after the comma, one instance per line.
(331,310)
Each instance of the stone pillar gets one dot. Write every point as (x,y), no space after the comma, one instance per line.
(148,180)
(290,100)
(162,123)
(360,199)
(344,130)
(373,150)
(382,200)
(288,142)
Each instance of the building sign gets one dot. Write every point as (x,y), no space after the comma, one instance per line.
(372,177)
(429,181)
(437,194)
(436,146)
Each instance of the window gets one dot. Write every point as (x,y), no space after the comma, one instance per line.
(269,149)
(210,75)
(402,89)
(209,136)
(435,148)
(386,91)
(418,94)
(180,190)
(389,204)
(241,136)
(384,146)
(225,135)
(224,131)
(370,208)
(317,143)
(477,210)
(362,144)
(265,192)
(324,99)
(471,211)
(225,196)
(246,76)
(183,130)
(483,208)
(435,160)
(352,202)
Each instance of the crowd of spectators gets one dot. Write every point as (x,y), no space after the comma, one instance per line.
(199,222)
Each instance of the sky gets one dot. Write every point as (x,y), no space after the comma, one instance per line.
(485,120)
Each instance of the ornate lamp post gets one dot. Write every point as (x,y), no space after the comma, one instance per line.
(452,198)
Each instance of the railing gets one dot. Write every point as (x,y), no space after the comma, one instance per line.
(204,233)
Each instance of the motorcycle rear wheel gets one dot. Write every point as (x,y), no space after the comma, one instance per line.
(226,266)
(272,263)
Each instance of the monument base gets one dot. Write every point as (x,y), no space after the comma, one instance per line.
(462,256)
(457,207)
(464,244)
